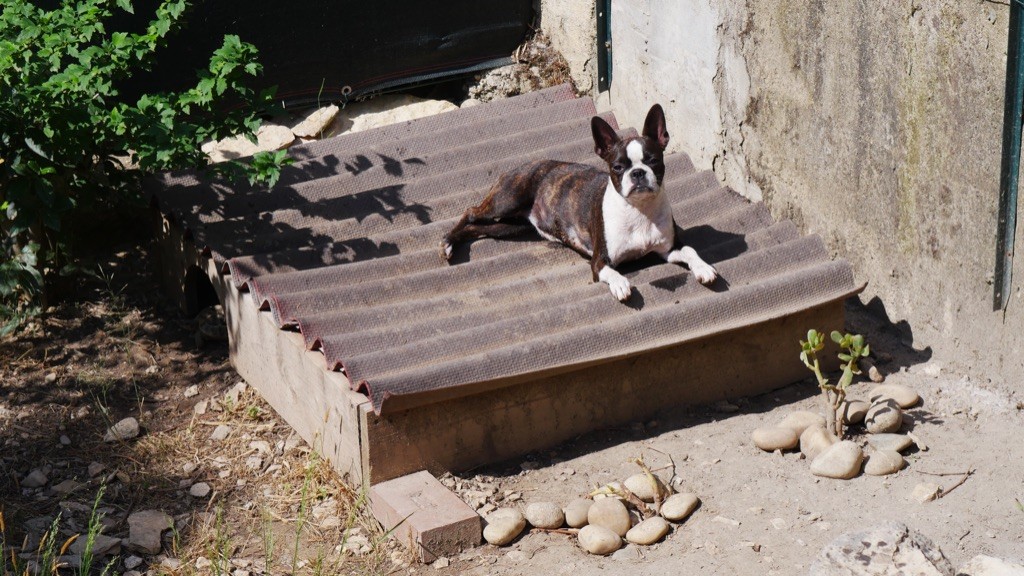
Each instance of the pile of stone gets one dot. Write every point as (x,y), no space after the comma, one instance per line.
(603,521)
(830,457)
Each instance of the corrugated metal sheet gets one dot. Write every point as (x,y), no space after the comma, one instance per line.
(345,250)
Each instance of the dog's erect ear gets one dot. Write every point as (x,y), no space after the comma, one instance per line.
(604,136)
(654,126)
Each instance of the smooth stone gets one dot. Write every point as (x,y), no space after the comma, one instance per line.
(840,461)
(545,515)
(905,396)
(576,512)
(268,137)
(126,429)
(883,417)
(599,540)
(894,442)
(678,507)
(854,411)
(199,490)
(815,440)
(801,420)
(145,528)
(982,565)
(883,462)
(640,485)
(95,468)
(890,548)
(221,432)
(925,492)
(772,439)
(610,513)
(101,545)
(503,525)
(648,532)
(35,479)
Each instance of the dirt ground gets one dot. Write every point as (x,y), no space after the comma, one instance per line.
(119,349)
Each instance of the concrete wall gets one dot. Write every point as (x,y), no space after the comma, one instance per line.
(874,124)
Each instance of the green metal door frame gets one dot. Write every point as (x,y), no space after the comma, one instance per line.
(1010,170)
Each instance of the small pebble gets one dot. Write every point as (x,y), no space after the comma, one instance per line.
(50,378)
(503,526)
(648,532)
(599,540)
(893,442)
(801,420)
(64,440)
(610,513)
(35,479)
(903,395)
(221,432)
(95,468)
(545,515)
(442,562)
(814,441)
(199,490)
(640,485)
(132,562)
(884,416)
(772,439)
(841,461)
(926,492)
(678,507)
(191,391)
(576,512)
(883,462)
(854,411)
(126,429)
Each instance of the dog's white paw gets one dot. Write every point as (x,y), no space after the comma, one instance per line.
(620,288)
(705,273)
(617,283)
(446,250)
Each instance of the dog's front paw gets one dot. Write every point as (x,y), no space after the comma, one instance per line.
(446,250)
(705,273)
(621,289)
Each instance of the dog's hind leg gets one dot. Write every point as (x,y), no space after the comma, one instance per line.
(502,213)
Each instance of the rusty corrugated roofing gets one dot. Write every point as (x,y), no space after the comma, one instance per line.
(344,249)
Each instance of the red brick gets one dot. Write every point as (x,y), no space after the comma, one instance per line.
(436,521)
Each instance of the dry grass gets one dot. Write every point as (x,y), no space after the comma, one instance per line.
(274,506)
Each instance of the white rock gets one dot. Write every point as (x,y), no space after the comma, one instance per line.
(598,539)
(315,125)
(903,395)
(126,429)
(894,442)
(35,479)
(890,548)
(853,411)
(221,432)
(503,525)
(801,419)
(145,528)
(610,513)
(191,391)
(388,109)
(254,462)
(648,532)
(132,562)
(576,512)
(841,460)
(640,485)
(199,490)
(926,492)
(678,507)
(982,565)
(883,462)
(884,416)
(441,562)
(815,440)
(545,515)
(269,137)
(50,378)
(772,439)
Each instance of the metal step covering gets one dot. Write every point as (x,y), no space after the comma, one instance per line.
(344,250)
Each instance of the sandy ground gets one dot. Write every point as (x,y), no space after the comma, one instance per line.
(765,513)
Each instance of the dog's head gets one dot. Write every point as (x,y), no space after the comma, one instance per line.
(636,164)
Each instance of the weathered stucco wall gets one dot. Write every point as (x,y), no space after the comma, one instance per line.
(874,124)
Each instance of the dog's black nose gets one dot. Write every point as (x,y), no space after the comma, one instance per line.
(638,175)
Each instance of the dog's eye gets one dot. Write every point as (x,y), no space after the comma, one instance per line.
(617,168)
(650,160)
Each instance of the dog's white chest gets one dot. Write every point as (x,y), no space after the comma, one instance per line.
(631,232)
